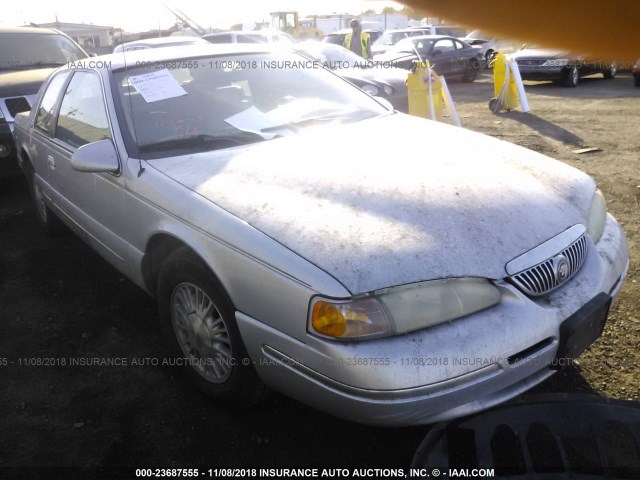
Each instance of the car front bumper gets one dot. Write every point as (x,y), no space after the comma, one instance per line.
(446,371)
(541,73)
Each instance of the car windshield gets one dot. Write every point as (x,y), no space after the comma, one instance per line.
(19,51)
(390,38)
(184,106)
(410,45)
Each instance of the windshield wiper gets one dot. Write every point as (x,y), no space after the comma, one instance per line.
(202,140)
(296,125)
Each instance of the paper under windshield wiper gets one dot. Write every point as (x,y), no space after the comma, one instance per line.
(298,124)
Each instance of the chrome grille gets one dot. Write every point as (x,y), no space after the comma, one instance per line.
(16,105)
(543,277)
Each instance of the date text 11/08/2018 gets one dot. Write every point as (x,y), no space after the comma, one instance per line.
(316,473)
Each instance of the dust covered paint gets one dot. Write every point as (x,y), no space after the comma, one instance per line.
(376,209)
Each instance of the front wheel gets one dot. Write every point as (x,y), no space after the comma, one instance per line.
(198,321)
(610,72)
(470,74)
(489,58)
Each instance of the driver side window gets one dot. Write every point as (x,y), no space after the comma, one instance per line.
(83,116)
(444,46)
(46,109)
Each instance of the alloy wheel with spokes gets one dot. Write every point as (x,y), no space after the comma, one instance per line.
(201,332)
(198,321)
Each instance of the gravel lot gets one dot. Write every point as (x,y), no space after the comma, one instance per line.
(59,300)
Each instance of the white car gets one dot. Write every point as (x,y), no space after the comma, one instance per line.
(298,234)
(489,44)
(275,37)
(158,43)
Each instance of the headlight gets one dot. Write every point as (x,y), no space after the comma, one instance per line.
(371,89)
(597,216)
(388,90)
(360,318)
(402,309)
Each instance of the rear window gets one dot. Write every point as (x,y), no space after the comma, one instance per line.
(225,38)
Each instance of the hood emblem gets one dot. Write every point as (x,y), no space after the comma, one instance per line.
(561,268)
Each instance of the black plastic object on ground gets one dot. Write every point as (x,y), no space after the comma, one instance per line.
(560,436)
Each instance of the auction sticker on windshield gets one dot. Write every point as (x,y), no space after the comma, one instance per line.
(156,86)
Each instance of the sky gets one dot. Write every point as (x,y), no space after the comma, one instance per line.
(133,15)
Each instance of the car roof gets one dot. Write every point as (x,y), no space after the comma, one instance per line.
(429,37)
(158,42)
(120,60)
(163,40)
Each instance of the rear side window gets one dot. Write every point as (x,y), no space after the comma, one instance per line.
(83,117)
(444,46)
(47,105)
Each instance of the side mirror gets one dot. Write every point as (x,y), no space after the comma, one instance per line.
(93,54)
(96,157)
(436,52)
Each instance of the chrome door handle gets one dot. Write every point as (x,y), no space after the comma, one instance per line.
(51,162)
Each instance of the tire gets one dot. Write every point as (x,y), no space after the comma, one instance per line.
(49,221)
(611,72)
(571,77)
(470,74)
(198,322)
(488,57)
(494,105)
(636,80)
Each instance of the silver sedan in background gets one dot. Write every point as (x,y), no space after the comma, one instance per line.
(377,79)
(297,235)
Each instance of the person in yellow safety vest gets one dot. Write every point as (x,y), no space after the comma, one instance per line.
(358,41)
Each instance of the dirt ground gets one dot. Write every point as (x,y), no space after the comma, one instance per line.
(59,300)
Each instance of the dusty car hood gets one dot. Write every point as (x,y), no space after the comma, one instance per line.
(393,200)
(22,82)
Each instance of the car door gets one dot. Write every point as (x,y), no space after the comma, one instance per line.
(40,142)
(444,56)
(92,201)
(466,57)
